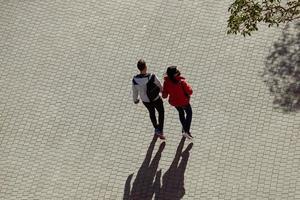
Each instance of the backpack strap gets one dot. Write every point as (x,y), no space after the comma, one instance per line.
(151,77)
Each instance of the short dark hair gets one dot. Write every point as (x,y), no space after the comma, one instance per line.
(171,71)
(141,65)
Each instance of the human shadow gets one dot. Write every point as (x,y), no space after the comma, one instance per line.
(145,186)
(282,69)
(173,180)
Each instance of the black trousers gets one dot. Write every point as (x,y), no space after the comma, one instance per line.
(159,106)
(185,117)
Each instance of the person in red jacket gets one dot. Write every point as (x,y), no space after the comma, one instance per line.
(179,91)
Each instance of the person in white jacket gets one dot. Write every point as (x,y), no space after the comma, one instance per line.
(139,88)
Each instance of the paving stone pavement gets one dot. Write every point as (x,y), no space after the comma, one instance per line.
(69,128)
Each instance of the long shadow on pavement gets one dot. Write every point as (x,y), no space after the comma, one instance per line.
(144,186)
(282,72)
(173,180)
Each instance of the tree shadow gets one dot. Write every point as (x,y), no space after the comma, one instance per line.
(282,69)
(173,180)
(145,186)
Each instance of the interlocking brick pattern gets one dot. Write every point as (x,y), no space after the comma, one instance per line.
(69,129)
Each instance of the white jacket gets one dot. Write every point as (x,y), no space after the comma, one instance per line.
(139,86)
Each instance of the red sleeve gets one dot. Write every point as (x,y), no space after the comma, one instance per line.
(165,92)
(187,87)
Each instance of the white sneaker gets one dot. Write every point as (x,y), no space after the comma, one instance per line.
(188,135)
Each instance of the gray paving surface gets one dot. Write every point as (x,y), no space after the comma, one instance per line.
(69,129)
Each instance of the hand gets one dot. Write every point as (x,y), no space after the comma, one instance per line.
(136,101)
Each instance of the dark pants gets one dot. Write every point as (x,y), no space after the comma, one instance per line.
(159,106)
(185,117)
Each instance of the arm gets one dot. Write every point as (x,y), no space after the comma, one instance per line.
(165,92)
(188,89)
(134,93)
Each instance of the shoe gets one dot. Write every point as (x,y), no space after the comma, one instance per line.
(183,132)
(156,131)
(185,135)
(160,135)
(188,135)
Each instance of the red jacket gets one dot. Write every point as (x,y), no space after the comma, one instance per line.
(177,91)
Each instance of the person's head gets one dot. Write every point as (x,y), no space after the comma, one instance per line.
(141,65)
(172,72)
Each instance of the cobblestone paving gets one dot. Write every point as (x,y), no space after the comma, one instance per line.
(69,129)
